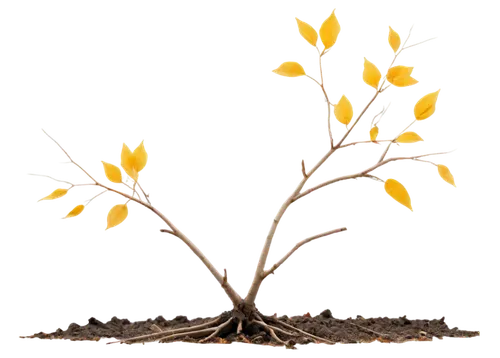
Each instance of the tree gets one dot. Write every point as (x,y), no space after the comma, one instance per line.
(244,310)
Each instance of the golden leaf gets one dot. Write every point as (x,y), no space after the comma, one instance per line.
(398,192)
(394,39)
(446,174)
(371,74)
(409,137)
(373,133)
(400,76)
(112,172)
(116,215)
(290,69)
(56,194)
(75,212)
(134,161)
(142,155)
(343,111)
(307,32)
(329,31)
(426,106)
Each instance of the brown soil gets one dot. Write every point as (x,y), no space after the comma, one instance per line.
(358,330)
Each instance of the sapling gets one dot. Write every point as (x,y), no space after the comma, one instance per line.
(244,315)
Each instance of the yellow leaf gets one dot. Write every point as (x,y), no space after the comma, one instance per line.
(75,212)
(307,32)
(398,192)
(426,106)
(446,174)
(290,69)
(373,133)
(56,194)
(140,157)
(112,172)
(134,161)
(409,137)
(400,76)
(116,215)
(371,74)
(394,39)
(343,111)
(329,31)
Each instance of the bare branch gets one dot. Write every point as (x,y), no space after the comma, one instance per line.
(46,176)
(295,248)
(393,141)
(304,169)
(168,232)
(365,141)
(102,192)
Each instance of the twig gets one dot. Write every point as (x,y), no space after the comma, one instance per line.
(377,117)
(365,141)
(96,196)
(389,145)
(303,242)
(67,155)
(423,42)
(145,195)
(49,177)
(357,120)
(168,232)
(385,151)
(323,88)
(304,169)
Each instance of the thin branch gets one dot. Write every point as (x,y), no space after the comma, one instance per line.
(168,232)
(423,42)
(426,161)
(357,120)
(66,154)
(389,145)
(323,88)
(357,142)
(97,195)
(49,177)
(304,169)
(296,247)
(377,117)
(419,43)
(385,151)
(145,195)
(361,174)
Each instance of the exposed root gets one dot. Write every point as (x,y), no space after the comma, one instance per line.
(324,340)
(369,330)
(155,328)
(271,332)
(219,328)
(240,327)
(160,335)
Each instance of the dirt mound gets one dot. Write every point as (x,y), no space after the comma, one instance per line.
(332,330)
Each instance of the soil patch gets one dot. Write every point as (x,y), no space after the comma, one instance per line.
(358,330)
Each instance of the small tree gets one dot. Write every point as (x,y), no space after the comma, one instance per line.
(244,311)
